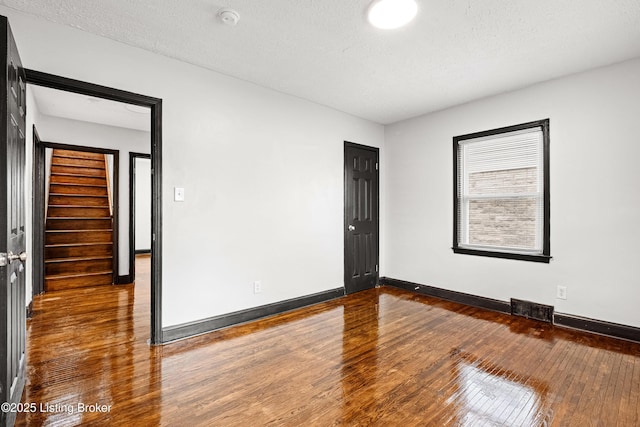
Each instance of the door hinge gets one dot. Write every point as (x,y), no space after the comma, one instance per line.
(376,267)
(376,165)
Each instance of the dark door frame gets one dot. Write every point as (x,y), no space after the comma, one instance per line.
(155,104)
(38,218)
(132,212)
(375,150)
(39,171)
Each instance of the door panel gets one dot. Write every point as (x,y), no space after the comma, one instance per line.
(361,217)
(12,226)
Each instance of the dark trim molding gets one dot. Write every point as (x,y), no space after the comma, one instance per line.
(545,257)
(123,280)
(505,255)
(142,251)
(585,324)
(186,330)
(30,310)
(156,223)
(38,182)
(90,89)
(132,213)
(599,327)
(155,104)
(459,297)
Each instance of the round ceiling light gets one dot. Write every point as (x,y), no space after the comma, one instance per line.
(390,14)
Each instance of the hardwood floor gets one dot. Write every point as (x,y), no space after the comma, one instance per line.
(381,357)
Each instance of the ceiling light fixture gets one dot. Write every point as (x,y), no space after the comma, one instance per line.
(390,14)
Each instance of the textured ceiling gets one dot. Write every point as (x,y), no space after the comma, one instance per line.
(324,51)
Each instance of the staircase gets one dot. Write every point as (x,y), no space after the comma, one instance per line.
(79,231)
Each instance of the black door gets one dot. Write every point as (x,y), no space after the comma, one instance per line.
(12,226)
(360,217)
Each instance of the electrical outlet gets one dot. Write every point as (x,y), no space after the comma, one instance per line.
(257,287)
(562,292)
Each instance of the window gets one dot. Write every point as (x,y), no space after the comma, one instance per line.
(501,185)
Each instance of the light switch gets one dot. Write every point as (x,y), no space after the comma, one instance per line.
(178,194)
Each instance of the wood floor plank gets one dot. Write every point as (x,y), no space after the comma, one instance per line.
(612,393)
(635,395)
(383,357)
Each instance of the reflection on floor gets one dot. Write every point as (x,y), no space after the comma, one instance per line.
(380,357)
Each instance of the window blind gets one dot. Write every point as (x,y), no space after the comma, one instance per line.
(500,192)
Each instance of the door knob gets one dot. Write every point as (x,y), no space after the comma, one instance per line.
(351,227)
(13,257)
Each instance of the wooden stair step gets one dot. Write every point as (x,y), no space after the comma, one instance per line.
(78,200)
(77,236)
(77,170)
(71,281)
(62,250)
(77,211)
(72,161)
(82,223)
(77,154)
(72,259)
(75,188)
(80,163)
(77,265)
(64,178)
(75,206)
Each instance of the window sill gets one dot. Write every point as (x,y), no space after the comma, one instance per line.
(506,255)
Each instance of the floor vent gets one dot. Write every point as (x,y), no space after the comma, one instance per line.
(532,310)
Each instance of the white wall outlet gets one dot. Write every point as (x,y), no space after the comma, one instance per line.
(257,287)
(562,292)
(178,194)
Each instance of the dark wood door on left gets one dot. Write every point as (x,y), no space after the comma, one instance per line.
(360,217)
(12,227)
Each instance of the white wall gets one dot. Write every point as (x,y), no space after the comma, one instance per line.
(74,132)
(263,179)
(33,115)
(595,196)
(143,204)
(262,172)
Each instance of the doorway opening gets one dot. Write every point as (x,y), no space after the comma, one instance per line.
(154,105)
(139,208)
(79,201)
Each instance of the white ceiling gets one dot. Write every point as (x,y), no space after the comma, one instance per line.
(324,50)
(57,103)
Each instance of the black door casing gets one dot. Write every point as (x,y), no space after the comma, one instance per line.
(361,217)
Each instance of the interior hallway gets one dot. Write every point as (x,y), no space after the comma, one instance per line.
(380,357)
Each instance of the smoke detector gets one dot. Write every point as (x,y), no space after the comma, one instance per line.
(229,16)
